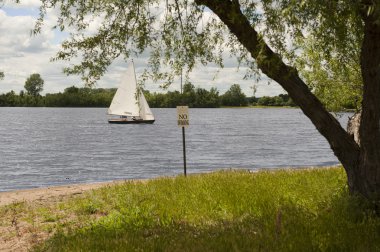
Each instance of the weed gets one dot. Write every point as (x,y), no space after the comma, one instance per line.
(285,210)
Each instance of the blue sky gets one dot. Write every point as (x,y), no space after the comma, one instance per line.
(22,54)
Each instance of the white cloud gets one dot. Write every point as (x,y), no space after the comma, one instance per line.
(222,79)
(23,4)
(22,54)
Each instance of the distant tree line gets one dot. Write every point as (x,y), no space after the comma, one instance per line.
(100,97)
(71,97)
(280,100)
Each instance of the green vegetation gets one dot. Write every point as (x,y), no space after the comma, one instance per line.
(234,97)
(193,97)
(71,97)
(100,97)
(80,97)
(286,210)
(280,100)
(34,84)
(337,85)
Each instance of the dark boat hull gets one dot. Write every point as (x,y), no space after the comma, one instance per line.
(123,121)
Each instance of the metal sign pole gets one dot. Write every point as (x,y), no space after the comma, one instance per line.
(184,150)
(183,122)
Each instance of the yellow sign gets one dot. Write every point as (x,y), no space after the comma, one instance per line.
(183,116)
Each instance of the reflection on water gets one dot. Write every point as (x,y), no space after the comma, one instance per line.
(52,146)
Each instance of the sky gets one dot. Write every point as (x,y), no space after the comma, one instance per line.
(22,55)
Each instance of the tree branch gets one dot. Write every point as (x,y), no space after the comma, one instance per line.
(179,14)
(272,65)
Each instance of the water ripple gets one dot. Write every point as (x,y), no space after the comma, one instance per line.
(55,146)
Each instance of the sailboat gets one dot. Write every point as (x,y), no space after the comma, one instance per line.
(129,102)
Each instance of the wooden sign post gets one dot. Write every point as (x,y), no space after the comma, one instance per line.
(183,122)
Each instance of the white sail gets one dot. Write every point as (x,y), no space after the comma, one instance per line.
(145,112)
(127,101)
(124,103)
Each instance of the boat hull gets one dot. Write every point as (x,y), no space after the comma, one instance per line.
(123,121)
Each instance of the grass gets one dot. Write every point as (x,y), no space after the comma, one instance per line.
(284,210)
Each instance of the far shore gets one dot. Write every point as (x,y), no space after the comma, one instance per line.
(222,107)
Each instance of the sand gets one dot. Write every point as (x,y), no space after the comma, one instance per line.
(42,194)
(17,234)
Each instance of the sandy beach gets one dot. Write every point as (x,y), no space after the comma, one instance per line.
(46,193)
(25,237)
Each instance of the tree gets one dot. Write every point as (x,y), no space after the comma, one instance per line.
(188,88)
(71,90)
(11,99)
(206,99)
(1,75)
(338,86)
(255,32)
(188,95)
(234,96)
(34,84)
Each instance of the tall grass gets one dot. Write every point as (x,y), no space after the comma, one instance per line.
(223,211)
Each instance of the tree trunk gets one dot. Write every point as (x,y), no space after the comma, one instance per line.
(342,143)
(368,182)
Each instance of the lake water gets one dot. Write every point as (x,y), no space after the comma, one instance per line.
(54,146)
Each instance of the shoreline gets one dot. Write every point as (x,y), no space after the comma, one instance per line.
(61,191)
(52,192)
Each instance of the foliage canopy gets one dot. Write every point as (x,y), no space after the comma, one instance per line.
(34,84)
(321,38)
(234,96)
